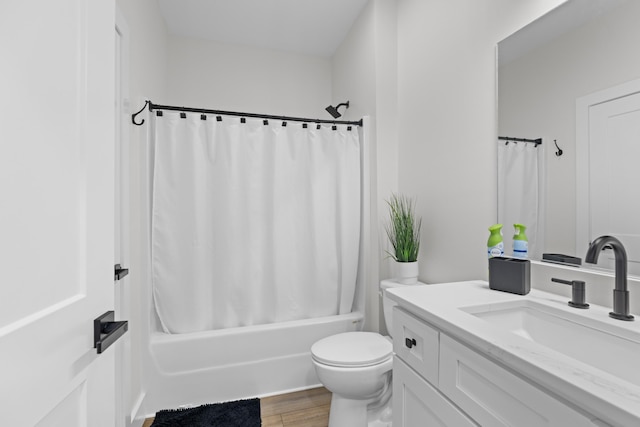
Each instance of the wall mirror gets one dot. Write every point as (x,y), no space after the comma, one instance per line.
(547,71)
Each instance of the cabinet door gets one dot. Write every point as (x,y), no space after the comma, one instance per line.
(416,343)
(417,403)
(493,396)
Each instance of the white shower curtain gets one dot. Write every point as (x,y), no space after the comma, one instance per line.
(521,193)
(252,223)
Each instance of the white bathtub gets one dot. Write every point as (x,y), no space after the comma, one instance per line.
(236,363)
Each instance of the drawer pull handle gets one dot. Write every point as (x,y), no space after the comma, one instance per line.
(410,342)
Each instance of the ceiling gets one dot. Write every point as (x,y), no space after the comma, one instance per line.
(313,27)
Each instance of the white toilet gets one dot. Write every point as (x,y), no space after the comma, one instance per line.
(356,368)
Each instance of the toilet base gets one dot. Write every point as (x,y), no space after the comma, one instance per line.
(347,412)
(374,412)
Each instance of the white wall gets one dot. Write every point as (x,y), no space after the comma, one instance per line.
(353,80)
(538,95)
(425,72)
(222,76)
(364,72)
(447,124)
(147,79)
(386,92)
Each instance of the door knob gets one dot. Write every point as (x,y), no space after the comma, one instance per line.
(120,272)
(106,331)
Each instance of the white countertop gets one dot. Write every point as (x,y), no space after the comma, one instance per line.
(606,396)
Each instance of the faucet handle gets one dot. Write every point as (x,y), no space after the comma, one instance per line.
(578,292)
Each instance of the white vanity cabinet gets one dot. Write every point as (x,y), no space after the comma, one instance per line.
(493,396)
(417,403)
(416,399)
(440,381)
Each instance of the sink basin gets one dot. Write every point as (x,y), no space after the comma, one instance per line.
(598,343)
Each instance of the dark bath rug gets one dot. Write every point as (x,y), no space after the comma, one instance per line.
(240,413)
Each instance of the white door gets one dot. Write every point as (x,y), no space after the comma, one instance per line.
(56,211)
(613,194)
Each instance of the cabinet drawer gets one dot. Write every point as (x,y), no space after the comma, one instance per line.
(416,343)
(418,403)
(493,396)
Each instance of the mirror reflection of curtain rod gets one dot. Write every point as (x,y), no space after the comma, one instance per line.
(534,141)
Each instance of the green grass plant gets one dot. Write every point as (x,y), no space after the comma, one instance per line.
(403,229)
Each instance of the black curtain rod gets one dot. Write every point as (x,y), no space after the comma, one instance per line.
(153,106)
(534,141)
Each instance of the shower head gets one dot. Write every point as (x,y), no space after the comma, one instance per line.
(334,110)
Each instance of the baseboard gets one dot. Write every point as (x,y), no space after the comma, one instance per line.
(290,390)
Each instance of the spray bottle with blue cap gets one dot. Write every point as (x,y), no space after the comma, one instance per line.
(520,242)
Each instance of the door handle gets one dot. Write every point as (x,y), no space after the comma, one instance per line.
(106,331)
(120,272)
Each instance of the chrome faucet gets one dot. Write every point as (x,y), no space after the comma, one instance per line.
(620,292)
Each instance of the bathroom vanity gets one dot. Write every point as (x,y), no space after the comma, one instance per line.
(466,355)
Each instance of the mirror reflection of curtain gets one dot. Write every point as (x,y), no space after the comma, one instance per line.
(252,223)
(521,193)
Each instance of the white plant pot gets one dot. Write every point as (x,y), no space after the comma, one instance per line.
(407,272)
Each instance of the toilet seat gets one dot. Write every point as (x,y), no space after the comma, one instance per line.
(352,349)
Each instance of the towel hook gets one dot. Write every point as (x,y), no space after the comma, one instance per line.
(559,152)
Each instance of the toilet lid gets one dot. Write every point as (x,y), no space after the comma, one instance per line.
(352,349)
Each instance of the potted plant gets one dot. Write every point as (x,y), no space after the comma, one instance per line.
(403,231)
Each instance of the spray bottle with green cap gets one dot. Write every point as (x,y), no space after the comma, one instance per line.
(495,245)
(520,242)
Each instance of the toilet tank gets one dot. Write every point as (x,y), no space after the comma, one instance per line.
(388,304)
